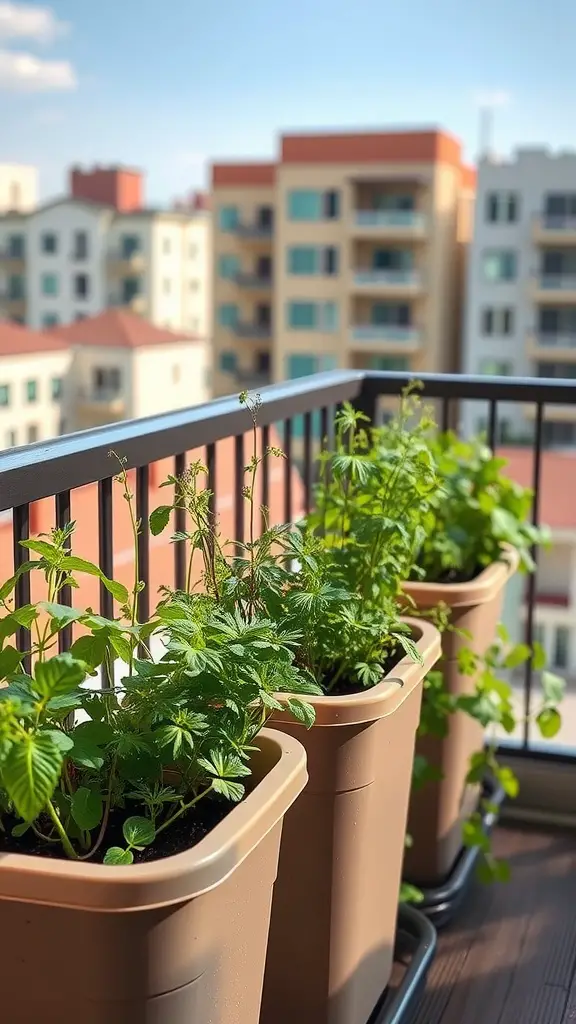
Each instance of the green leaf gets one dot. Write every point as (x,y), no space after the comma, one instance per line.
(554,687)
(410,894)
(91,648)
(159,519)
(116,855)
(538,657)
(138,832)
(21,829)
(58,675)
(30,773)
(43,548)
(503,633)
(10,661)
(121,646)
(61,613)
(97,732)
(517,656)
(302,711)
(474,835)
(72,563)
(62,740)
(231,790)
(508,781)
(7,587)
(87,808)
(549,723)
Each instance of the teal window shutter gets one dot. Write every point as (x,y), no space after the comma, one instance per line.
(228,266)
(329,316)
(302,315)
(228,362)
(304,204)
(228,314)
(303,259)
(300,365)
(228,218)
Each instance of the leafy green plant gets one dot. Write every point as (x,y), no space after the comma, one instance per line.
(84,771)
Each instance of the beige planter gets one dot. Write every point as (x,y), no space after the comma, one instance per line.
(336,897)
(174,941)
(439,809)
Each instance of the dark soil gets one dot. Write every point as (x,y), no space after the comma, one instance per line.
(453,576)
(185,833)
(344,686)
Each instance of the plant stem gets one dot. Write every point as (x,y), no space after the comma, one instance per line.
(182,810)
(106,814)
(66,844)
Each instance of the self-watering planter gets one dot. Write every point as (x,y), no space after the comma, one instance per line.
(335,903)
(174,941)
(439,808)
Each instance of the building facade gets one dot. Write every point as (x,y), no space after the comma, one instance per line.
(521,290)
(18,188)
(99,247)
(346,252)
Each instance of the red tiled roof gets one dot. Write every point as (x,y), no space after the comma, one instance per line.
(117,328)
(557,483)
(16,340)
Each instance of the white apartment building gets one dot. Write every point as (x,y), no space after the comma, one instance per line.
(521,296)
(18,188)
(98,370)
(76,256)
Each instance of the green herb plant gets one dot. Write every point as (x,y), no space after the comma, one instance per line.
(104,773)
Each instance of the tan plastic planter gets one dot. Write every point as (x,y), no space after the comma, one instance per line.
(439,809)
(336,897)
(174,941)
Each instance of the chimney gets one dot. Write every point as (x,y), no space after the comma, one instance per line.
(119,187)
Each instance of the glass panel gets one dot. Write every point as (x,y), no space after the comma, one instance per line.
(228,266)
(304,204)
(228,218)
(302,315)
(299,365)
(228,314)
(303,259)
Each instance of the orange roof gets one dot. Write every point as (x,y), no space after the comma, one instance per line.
(557,483)
(420,147)
(254,174)
(468,178)
(20,341)
(117,328)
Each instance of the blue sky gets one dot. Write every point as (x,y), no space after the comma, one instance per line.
(169,86)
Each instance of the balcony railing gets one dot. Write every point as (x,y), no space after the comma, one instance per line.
(254,230)
(387,277)
(247,329)
(386,332)
(560,339)
(58,468)
(557,282)
(254,280)
(390,218)
(558,222)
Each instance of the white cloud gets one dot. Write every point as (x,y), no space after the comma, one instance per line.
(22,21)
(493,98)
(22,72)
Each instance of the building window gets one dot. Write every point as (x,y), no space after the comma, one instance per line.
(330,258)
(193,251)
(176,374)
(16,286)
(498,321)
(558,434)
(166,246)
(4,394)
(312,204)
(559,371)
(310,316)
(11,438)
(228,314)
(228,267)
(502,207)
(390,364)
(561,646)
(167,286)
(559,205)
(194,285)
(56,388)
(300,365)
(500,265)
(310,259)
(129,246)
(262,362)
(106,380)
(495,368)
(49,284)
(16,247)
(228,362)
(49,243)
(228,218)
(31,390)
(81,286)
(33,433)
(80,251)
(50,319)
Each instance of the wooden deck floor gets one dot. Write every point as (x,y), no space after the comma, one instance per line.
(510,956)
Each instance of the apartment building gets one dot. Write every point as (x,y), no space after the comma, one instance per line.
(18,188)
(345,252)
(100,246)
(521,292)
(110,367)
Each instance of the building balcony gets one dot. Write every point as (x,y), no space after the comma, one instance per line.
(554,288)
(387,338)
(553,230)
(122,264)
(12,305)
(401,283)
(97,406)
(253,331)
(255,281)
(254,232)
(559,345)
(11,263)
(398,225)
(252,380)
(136,303)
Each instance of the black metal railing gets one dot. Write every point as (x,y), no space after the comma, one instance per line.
(302,409)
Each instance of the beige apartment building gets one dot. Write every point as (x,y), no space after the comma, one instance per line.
(347,252)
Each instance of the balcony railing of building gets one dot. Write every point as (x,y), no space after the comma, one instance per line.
(557,221)
(387,277)
(386,332)
(560,339)
(390,218)
(58,467)
(247,329)
(254,229)
(557,282)
(254,280)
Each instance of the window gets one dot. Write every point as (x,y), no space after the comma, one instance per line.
(11,439)
(130,288)
(176,374)
(321,316)
(228,362)
(497,320)
(559,205)
(106,380)
(167,246)
(228,314)
(228,218)
(49,243)
(56,388)
(4,394)
(129,246)
(194,285)
(312,204)
(561,646)
(193,251)
(262,362)
(33,433)
(554,434)
(49,284)
(331,260)
(31,390)
(50,319)
(16,286)
(495,368)
(16,246)
(228,266)
(500,265)
(560,371)
(300,365)
(80,251)
(167,286)
(81,286)
(393,364)
(502,207)
(310,259)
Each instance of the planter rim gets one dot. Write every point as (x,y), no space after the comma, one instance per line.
(384,698)
(181,877)
(482,589)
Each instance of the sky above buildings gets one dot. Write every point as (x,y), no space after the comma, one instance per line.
(169,86)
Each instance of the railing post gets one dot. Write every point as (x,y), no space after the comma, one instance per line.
(367,400)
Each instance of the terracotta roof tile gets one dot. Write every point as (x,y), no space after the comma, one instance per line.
(16,340)
(118,328)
